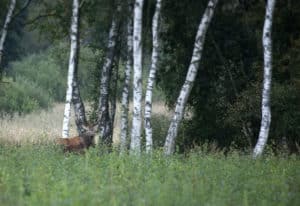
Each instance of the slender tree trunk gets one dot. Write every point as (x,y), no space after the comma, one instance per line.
(72,67)
(114,86)
(4,30)
(190,78)
(151,78)
(266,91)
(79,109)
(135,144)
(125,92)
(103,108)
(80,117)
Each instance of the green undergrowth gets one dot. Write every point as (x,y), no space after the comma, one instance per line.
(41,174)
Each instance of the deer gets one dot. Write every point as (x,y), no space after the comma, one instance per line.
(79,143)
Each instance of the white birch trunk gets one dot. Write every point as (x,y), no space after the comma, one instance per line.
(5,27)
(72,67)
(266,91)
(135,144)
(103,107)
(190,78)
(125,92)
(151,78)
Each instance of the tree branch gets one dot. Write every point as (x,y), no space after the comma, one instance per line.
(26,5)
(37,18)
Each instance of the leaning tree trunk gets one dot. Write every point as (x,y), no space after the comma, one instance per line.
(72,68)
(4,30)
(151,78)
(266,91)
(135,144)
(125,92)
(79,110)
(190,78)
(103,108)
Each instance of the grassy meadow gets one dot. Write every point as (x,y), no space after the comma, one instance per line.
(34,171)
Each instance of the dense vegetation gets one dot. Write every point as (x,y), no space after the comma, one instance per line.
(225,101)
(42,175)
(212,163)
(38,80)
(226,97)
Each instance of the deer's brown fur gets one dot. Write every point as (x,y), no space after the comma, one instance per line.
(79,143)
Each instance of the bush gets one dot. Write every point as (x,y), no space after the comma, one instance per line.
(44,72)
(40,79)
(88,66)
(285,115)
(22,97)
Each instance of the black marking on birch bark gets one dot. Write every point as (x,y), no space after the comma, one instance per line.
(125,93)
(72,66)
(103,108)
(266,91)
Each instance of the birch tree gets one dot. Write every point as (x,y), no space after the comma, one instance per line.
(125,91)
(151,78)
(190,78)
(135,144)
(79,109)
(266,90)
(5,28)
(103,107)
(114,88)
(72,67)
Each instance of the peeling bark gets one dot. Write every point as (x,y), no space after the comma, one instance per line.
(72,67)
(190,78)
(266,91)
(135,144)
(151,78)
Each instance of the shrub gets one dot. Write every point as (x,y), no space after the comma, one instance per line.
(40,79)
(22,97)
(44,72)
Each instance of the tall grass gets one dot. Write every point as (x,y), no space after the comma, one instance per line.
(34,171)
(35,127)
(41,174)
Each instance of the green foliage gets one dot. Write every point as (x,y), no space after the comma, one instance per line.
(160,124)
(22,97)
(42,70)
(88,61)
(221,106)
(38,82)
(284,119)
(40,79)
(13,50)
(41,175)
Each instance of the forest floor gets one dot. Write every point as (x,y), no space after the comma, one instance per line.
(36,172)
